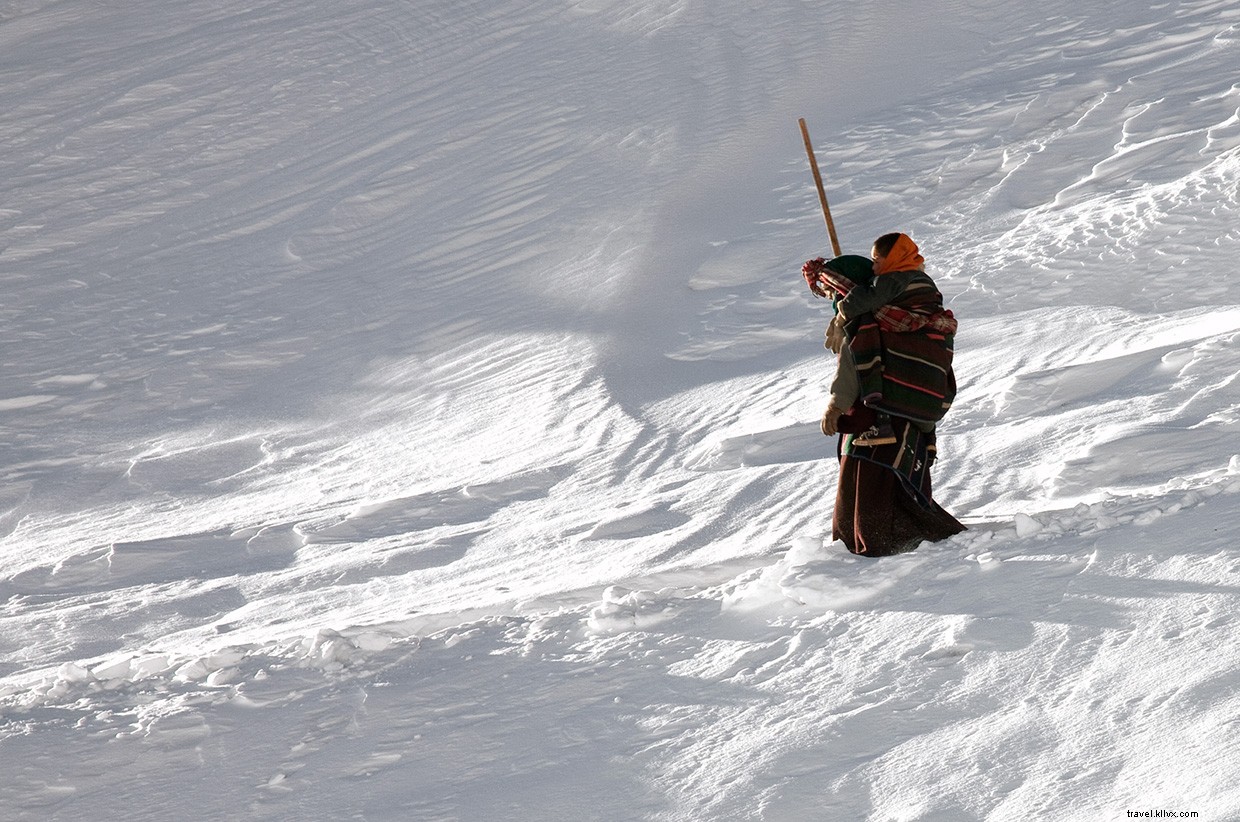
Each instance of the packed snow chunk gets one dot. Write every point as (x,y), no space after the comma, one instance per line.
(1027,526)
(1233,465)
(113,669)
(222,677)
(625,610)
(148,666)
(617,593)
(224,659)
(372,641)
(194,671)
(336,651)
(456,638)
(331,649)
(72,672)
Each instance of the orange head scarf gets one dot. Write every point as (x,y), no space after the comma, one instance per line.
(902,257)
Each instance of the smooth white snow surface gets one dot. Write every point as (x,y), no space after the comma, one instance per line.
(410,410)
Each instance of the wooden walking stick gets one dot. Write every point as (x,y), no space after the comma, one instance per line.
(822,194)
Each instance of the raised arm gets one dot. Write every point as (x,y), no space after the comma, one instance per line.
(864,299)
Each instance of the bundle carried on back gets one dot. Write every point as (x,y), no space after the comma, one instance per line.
(900,335)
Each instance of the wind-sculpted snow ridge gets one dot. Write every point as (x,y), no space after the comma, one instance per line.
(410,411)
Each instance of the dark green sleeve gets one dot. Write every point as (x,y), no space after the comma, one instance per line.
(864,299)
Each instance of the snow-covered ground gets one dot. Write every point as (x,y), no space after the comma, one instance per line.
(409,411)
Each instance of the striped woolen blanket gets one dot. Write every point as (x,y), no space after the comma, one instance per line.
(904,350)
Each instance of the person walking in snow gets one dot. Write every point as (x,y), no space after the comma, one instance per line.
(893,382)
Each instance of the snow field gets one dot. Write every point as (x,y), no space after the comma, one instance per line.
(410,411)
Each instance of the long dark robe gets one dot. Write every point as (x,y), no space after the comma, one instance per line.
(883,503)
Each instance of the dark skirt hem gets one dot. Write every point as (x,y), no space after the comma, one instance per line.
(876,515)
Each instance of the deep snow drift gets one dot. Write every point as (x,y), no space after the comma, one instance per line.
(410,411)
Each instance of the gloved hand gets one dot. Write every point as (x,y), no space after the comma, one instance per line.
(835,335)
(810,272)
(831,420)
